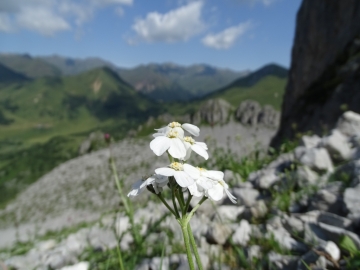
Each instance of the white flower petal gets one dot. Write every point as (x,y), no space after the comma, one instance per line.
(177,148)
(202,144)
(192,129)
(160,144)
(165,171)
(231,197)
(157,134)
(192,171)
(193,189)
(179,131)
(150,180)
(205,182)
(161,178)
(200,151)
(163,130)
(137,188)
(216,175)
(216,192)
(183,179)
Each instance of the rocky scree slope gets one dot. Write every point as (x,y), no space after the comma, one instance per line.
(305,232)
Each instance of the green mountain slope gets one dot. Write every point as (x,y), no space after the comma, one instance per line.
(73,66)
(266,85)
(29,66)
(9,76)
(51,106)
(193,81)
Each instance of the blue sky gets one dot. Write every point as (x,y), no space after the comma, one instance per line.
(235,34)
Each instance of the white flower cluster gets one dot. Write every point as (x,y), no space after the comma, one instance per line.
(200,182)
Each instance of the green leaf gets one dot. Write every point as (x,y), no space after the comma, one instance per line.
(348,244)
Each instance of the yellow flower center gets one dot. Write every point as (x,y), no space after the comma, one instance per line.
(189,140)
(172,134)
(174,124)
(176,166)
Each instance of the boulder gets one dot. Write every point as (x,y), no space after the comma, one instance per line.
(338,146)
(213,111)
(265,178)
(218,234)
(283,262)
(310,141)
(242,233)
(269,117)
(248,112)
(352,203)
(317,159)
(349,123)
(246,196)
(78,266)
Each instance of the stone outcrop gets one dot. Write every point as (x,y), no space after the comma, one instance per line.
(251,113)
(213,111)
(324,78)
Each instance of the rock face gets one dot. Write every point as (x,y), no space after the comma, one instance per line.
(324,77)
(213,111)
(251,113)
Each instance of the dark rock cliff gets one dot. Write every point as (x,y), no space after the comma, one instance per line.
(324,78)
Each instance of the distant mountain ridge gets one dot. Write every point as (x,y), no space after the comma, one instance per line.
(265,85)
(31,67)
(7,76)
(71,104)
(162,82)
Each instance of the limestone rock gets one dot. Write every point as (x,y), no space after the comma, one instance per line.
(213,111)
(333,250)
(352,203)
(246,196)
(317,159)
(349,123)
(269,117)
(337,145)
(284,262)
(218,234)
(310,141)
(78,266)
(306,176)
(264,178)
(248,112)
(251,113)
(242,233)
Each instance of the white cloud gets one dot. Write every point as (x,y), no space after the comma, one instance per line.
(5,25)
(41,20)
(264,2)
(48,17)
(119,11)
(177,25)
(226,38)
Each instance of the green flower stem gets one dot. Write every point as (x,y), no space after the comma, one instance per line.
(189,216)
(173,198)
(124,200)
(118,185)
(166,204)
(183,224)
(182,205)
(120,258)
(194,247)
(188,202)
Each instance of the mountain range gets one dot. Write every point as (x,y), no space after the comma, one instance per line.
(35,107)
(161,82)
